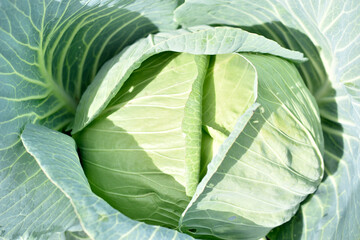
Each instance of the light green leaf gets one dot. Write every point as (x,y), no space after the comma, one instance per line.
(56,155)
(50,51)
(270,162)
(142,154)
(230,88)
(200,40)
(328,33)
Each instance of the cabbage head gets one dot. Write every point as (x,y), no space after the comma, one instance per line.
(218,145)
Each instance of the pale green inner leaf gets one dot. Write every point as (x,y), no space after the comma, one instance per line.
(146,144)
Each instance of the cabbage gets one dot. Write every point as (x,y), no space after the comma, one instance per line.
(130,119)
